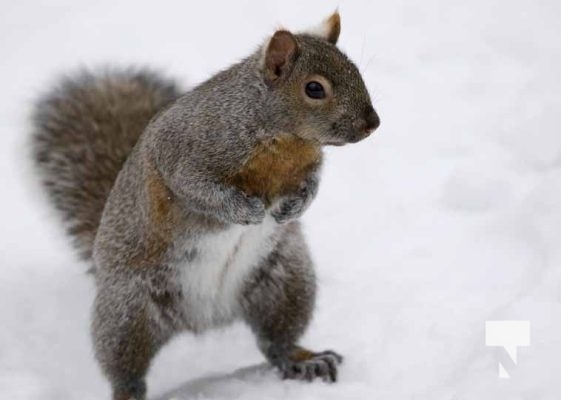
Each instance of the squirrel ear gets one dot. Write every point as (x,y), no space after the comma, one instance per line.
(281,50)
(329,29)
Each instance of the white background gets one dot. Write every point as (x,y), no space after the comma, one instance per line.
(450,215)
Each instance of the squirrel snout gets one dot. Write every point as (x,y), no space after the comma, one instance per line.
(372,119)
(365,125)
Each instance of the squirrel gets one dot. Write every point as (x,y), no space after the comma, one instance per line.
(187,204)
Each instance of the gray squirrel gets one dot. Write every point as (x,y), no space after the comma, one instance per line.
(187,205)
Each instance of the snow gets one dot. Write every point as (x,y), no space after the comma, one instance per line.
(448,217)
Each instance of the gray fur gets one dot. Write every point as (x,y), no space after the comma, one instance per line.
(176,247)
(85,128)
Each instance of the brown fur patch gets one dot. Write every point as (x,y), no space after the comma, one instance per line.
(277,167)
(164,218)
(301,354)
(160,200)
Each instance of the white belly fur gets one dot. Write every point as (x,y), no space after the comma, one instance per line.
(212,281)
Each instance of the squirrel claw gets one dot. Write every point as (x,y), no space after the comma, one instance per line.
(320,365)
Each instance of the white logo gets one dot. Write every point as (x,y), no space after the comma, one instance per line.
(507,334)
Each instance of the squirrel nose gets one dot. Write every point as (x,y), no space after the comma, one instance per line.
(365,125)
(371,118)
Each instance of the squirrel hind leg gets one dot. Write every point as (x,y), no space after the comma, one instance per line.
(127,335)
(278,302)
(134,390)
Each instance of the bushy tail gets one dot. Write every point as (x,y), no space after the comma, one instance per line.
(84,130)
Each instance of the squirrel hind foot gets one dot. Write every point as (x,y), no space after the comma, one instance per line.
(307,365)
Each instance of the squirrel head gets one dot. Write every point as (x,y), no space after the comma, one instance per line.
(318,92)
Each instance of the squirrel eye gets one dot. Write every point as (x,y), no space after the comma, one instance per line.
(315,90)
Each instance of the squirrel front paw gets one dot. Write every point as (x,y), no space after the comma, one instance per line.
(248,210)
(293,205)
(307,365)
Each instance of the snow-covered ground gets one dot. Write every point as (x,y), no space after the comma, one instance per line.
(448,217)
